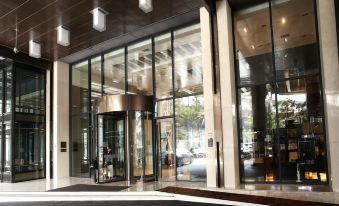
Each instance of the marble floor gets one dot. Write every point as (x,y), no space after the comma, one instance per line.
(307,193)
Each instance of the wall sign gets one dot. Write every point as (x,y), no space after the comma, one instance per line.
(63,146)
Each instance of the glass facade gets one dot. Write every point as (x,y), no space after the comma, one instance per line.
(280,107)
(150,68)
(23,134)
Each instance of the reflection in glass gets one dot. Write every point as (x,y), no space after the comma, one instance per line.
(257,125)
(1,152)
(147,118)
(30,91)
(1,95)
(95,78)
(164,108)
(253,45)
(190,144)
(295,39)
(187,61)
(30,140)
(166,140)
(140,68)
(9,88)
(29,151)
(302,144)
(7,175)
(137,153)
(163,66)
(80,98)
(114,73)
(79,145)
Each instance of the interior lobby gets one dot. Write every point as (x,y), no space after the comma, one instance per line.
(173,96)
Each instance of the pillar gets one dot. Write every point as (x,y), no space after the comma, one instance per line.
(60,120)
(330,75)
(228,95)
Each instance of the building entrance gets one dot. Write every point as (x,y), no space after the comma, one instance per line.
(124,144)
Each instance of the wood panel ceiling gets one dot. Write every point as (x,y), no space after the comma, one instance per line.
(37,20)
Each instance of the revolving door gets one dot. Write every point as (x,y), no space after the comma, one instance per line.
(124,145)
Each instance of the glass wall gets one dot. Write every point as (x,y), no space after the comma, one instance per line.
(80,160)
(179,105)
(114,72)
(22,128)
(187,61)
(30,140)
(167,67)
(280,105)
(139,67)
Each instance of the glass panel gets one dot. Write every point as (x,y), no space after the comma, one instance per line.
(95,78)
(253,45)
(114,73)
(148,144)
(111,148)
(187,57)
(164,108)
(163,66)
(1,153)
(80,98)
(140,68)
(29,151)
(1,90)
(137,153)
(166,140)
(295,39)
(190,139)
(302,143)
(257,123)
(7,175)
(9,87)
(80,141)
(30,91)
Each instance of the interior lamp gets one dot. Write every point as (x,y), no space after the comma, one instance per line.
(62,36)
(146,5)
(34,49)
(99,19)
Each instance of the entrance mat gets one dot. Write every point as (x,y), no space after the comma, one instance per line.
(239,197)
(89,188)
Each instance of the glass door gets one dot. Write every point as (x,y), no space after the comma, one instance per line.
(142,161)
(111,147)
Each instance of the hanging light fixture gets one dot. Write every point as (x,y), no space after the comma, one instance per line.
(146,5)
(34,49)
(99,19)
(63,36)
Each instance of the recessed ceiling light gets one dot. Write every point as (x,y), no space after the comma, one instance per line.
(253,47)
(245,29)
(283,20)
(286,39)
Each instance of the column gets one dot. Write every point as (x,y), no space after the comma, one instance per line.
(206,46)
(228,95)
(330,75)
(48,127)
(60,120)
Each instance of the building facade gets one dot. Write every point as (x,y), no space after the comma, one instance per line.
(242,92)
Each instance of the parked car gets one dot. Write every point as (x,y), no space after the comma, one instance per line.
(199,153)
(183,157)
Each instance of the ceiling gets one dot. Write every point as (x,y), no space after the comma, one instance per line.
(297,30)
(37,20)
